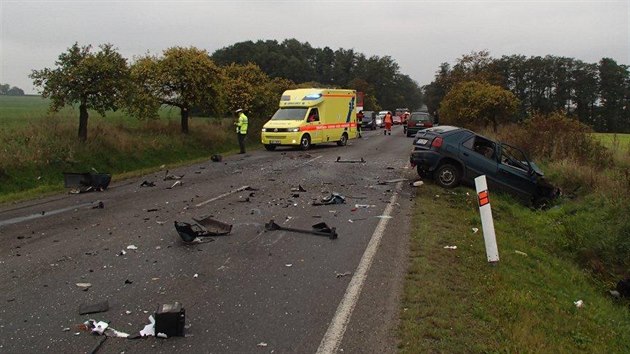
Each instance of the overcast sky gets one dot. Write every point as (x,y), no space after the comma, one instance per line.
(418,34)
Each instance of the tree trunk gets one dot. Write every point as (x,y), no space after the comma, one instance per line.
(83,121)
(184,114)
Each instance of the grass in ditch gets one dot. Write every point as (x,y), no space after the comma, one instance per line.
(456,302)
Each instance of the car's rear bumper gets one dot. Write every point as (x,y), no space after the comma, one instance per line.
(426,159)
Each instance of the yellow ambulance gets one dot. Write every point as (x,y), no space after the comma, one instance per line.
(312,116)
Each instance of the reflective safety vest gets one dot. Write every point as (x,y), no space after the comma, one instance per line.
(241,125)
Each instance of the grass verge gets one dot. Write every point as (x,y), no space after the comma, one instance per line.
(34,158)
(455,302)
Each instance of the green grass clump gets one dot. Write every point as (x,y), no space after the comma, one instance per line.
(455,301)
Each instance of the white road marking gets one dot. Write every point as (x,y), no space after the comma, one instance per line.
(309,161)
(47,213)
(337,327)
(240,189)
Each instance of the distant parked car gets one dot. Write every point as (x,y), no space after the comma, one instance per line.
(417,121)
(452,155)
(369,120)
(396,120)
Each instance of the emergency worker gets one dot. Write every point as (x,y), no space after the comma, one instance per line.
(241,128)
(388,123)
(360,116)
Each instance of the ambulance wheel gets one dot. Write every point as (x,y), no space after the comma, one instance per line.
(344,140)
(305,142)
(270,147)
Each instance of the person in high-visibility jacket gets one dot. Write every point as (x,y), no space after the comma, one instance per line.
(388,123)
(241,129)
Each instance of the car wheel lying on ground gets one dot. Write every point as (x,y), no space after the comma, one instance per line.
(452,155)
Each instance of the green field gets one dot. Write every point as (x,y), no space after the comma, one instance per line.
(19,111)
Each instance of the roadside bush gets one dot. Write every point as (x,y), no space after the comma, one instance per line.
(557,137)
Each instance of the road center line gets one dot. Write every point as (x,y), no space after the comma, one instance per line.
(240,189)
(337,327)
(46,213)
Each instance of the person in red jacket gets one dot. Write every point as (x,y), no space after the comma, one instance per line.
(388,123)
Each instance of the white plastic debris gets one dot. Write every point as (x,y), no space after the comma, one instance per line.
(149,330)
(418,183)
(578,303)
(475,230)
(84,285)
(196,275)
(132,247)
(97,327)
(261,344)
(289,265)
(122,253)
(128,312)
(521,253)
(451,247)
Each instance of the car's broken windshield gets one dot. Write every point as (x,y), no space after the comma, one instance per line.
(514,157)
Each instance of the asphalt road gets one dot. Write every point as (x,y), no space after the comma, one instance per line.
(246,292)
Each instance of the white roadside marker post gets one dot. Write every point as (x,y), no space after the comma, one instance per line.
(487,224)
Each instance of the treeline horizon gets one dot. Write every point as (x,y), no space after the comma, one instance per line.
(597,95)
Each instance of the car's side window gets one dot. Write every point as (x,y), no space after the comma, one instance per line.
(481,146)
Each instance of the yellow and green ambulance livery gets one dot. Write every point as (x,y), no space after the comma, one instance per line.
(312,116)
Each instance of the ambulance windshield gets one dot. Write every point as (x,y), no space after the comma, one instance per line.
(289,114)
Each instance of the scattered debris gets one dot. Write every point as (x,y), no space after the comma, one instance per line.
(521,253)
(623,287)
(288,265)
(86,182)
(451,247)
(98,307)
(339,275)
(204,227)
(349,161)
(148,330)
(216,158)
(177,183)
(168,177)
(391,181)
(320,229)
(84,286)
(334,198)
(132,247)
(261,344)
(365,206)
(579,303)
(147,184)
(299,188)
(474,230)
(417,183)
(98,345)
(170,320)
(614,293)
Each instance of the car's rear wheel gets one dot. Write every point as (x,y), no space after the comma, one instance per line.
(305,142)
(447,176)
